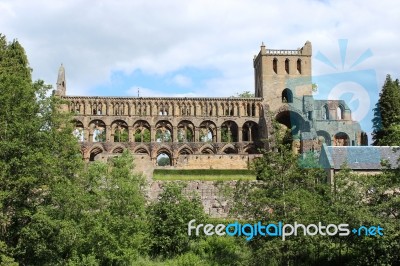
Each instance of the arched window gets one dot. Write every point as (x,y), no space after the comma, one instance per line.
(275,65)
(325,112)
(164,159)
(287,96)
(287,66)
(340,112)
(299,65)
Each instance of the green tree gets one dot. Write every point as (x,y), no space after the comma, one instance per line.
(37,148)
(245,94)
(121,135)
(168,219)
(142,135)
(226,135)
(288,190)
(98,219)
(387,114)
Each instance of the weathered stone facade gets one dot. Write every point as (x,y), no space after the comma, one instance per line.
(193,127)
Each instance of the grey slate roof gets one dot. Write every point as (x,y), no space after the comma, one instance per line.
(358,157)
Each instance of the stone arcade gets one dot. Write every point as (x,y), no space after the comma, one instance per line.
(215,133)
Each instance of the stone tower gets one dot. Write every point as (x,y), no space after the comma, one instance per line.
(282,75)
(61,83)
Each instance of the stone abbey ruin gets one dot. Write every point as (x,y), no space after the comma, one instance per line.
(217,133)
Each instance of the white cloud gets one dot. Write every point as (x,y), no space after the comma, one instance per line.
(182,81)
(94,38)
(146,92)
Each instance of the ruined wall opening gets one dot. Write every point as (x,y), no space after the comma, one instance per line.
(94,152)
(141,131)
(229,132)
(120,131)
(97,131)
(287,66)
(185,131)
(164,131)
(207,132)
(79,131)
(341,139)
(299,66)
(275,65)
(325,112)
(340,112)
(287,96)
(292,125)
(164,159)
(250,131)
(324,137)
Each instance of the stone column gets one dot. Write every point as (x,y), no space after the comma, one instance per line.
(130,134)
(218,134)
(240,133)
(196,134)
(257,114)
(107,108)
(153,133)
(174,134)
(86,134)
(86,109)
(108,133)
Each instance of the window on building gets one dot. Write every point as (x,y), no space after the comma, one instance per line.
(325,112)
(287,66)
(287,96)
(299,65)
(340,112)
(275,65)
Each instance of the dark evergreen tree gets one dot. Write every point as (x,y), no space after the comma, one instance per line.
(387,114)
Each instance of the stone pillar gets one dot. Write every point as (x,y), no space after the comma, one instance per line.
(176,109)
(196,134)
(240,134)
(148,109)
(86,109)
(174,134)
(218,134)
(86,134)
(131,137)
(153,133)
(108,133)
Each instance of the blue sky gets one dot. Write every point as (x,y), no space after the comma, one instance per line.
(184,82)
(199,48)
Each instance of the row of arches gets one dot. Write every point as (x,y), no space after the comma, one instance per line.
(339,139)
(168,151)
(327,115)
(231,107)
(164,131)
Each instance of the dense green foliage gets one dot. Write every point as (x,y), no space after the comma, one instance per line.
(386,121)
(245,94)
(36,148)
(168,220)
(291,192)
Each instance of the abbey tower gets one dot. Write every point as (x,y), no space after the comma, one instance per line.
(274,69)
